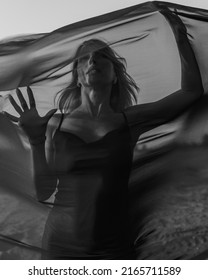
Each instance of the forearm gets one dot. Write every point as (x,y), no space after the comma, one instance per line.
(191,81)
(35,128)
(190,74)
(44,178)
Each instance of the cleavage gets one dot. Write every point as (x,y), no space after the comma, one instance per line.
(88,131)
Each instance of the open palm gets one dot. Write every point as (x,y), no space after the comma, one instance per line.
(32,123)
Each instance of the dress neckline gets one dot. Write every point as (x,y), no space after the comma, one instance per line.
(100,139)
(94,141)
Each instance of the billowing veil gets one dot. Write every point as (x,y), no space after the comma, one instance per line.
(168,186)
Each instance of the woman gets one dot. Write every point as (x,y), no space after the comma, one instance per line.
(85,153)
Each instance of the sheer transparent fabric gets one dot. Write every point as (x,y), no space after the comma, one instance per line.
(167,186)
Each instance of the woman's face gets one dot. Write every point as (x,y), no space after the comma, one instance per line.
(94,67)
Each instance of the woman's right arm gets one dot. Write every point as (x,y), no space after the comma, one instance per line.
(39,133)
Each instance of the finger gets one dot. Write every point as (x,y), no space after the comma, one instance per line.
(50,114)
(14,104)
(21,99)
(11,117)
(31,98)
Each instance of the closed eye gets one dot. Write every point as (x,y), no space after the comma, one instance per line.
(97,54)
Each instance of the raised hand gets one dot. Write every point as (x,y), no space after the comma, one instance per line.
(33,125)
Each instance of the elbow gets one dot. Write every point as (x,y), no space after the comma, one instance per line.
(193,86)
(198,89)
(42,196)
(194,93)
(44,188)
(199,92)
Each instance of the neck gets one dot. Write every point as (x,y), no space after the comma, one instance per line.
(96,102)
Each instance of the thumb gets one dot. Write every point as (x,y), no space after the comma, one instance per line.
(11,117)
(50,114)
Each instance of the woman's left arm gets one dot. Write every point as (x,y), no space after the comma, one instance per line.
(168,108)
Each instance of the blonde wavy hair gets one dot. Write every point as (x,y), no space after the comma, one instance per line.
(123,91)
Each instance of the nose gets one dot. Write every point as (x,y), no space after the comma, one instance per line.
(92,58)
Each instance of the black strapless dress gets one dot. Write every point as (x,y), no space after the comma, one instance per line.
(89,219)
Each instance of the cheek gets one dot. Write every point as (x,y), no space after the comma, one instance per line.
(80,74)
(80,68)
